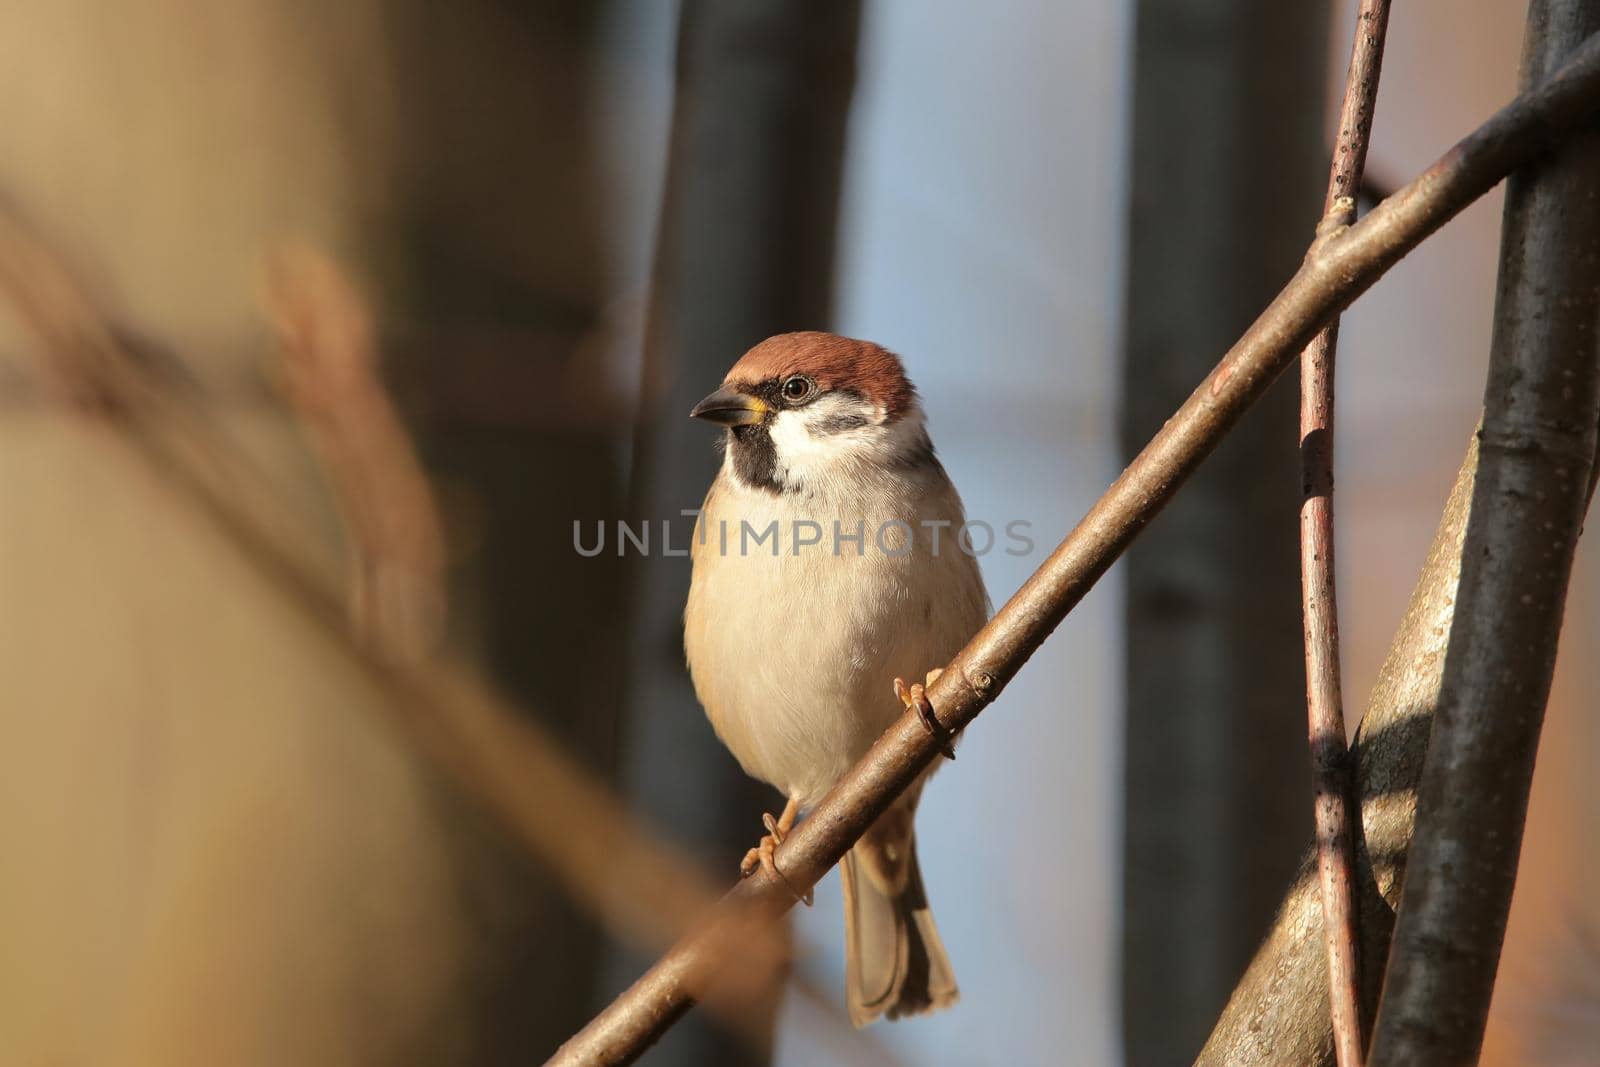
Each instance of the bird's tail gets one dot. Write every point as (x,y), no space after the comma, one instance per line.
(895,963)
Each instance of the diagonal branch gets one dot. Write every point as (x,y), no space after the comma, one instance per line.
(1340,268)
(1537,448)
(1330,752)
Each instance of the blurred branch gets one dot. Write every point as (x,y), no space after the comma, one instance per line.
(1338,269)
(455,720)
(331,375)
(1330,753)
(1537,451)
(462,728)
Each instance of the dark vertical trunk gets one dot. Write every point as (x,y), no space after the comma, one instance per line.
(499,231)
(746,250)
(1228,168)
(1543,377)
(1537,452)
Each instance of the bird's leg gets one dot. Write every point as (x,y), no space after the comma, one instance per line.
(765,853)
(915,696)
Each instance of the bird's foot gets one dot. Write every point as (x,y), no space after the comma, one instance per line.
(915,696)
(765,854)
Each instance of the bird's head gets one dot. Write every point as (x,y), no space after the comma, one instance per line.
(810,411)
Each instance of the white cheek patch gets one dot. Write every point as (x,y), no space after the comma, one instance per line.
(823,438)
(805,441)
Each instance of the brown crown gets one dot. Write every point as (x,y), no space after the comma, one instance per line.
(834,362)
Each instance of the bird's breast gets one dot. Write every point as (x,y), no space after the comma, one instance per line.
(802,612)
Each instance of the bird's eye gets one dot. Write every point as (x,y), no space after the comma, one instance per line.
(798,388)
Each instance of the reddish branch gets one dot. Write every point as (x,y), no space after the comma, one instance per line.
(332,374)
(1330,752)
(1537,450)
(1279,1012)
(1339,268)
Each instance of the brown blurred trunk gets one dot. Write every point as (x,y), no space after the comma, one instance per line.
(1228,168)
(746,250)
(214,853)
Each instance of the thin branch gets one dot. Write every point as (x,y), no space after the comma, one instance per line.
(1279,1012)
(460,726)
(1537,446)
(332,378)
(1340,268)
(1330,752)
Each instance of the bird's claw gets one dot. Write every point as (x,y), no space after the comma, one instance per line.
(915,696)
(764,855)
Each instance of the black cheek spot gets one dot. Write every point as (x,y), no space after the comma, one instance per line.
(839,424)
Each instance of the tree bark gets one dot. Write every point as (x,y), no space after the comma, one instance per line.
(1214,735)
(1279,1011)
(1537,451)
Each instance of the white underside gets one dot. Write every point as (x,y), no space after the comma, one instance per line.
(794,657)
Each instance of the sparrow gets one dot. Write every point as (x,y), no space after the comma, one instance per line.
(797,638)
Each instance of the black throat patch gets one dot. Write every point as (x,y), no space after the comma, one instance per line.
(755,457)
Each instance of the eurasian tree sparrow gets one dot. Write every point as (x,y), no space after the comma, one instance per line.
(793,643)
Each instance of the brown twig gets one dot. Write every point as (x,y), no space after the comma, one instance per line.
(1537,446)
(332,379)
(1330,752)
(1279,1012)
(641,891)
(1340,267)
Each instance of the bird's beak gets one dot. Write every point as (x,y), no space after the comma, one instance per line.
(728,407)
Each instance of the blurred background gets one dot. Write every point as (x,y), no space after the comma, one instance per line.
(366,304)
